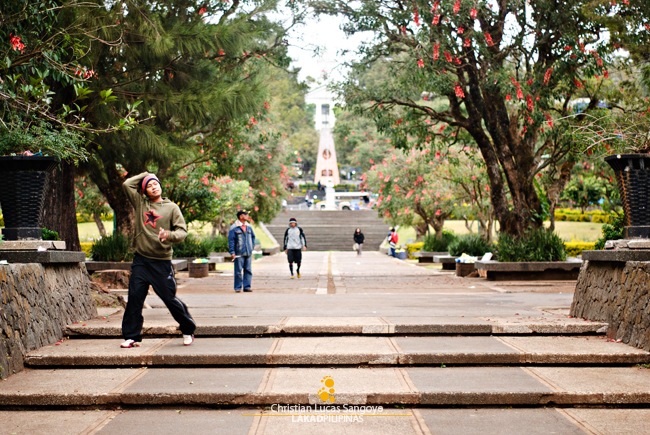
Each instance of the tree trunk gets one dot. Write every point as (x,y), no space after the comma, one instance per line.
(117,199)
(100,225)
(421,229)
(554,191)
(59,211)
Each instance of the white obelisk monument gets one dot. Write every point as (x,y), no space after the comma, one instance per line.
(327,170)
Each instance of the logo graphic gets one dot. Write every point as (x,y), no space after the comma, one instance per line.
(150,218)
(326,393)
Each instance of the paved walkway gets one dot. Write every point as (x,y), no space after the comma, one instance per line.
(410,350)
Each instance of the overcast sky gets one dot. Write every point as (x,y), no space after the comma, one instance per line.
(323,32)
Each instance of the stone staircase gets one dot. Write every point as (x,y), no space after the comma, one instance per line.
(387,348)
(332,230)
(324,363)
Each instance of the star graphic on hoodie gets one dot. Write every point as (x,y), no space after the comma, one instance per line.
(150,218)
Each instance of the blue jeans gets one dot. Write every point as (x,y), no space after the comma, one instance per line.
(243,265)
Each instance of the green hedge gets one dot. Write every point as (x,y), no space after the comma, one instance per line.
(536,245)
(574,249)
(434,244)
(83,218)
(574,215)
(470,244)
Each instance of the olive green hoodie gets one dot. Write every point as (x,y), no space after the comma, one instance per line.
(150,217)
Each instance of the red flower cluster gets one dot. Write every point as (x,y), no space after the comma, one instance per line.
(457,6)
(547,75)
(16,43)
(459,91)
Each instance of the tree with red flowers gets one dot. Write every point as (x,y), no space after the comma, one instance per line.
(503,72)
(423,189)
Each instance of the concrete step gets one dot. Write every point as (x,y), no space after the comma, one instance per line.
(158,323)
(386,421)
(326,386)
(340,351)
(332,230)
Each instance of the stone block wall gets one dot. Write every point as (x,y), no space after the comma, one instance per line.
(617,293)
(37,301)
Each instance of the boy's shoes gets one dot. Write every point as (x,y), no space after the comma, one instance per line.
(292,277)
(247,290)
(129,343)
(187,340)
(298,274)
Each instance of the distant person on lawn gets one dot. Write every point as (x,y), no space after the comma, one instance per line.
(158,223)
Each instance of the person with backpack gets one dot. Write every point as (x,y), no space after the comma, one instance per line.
(392,239)
(294,243)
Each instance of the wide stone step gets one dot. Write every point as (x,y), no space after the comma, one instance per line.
(158,323)
(326,386)
(335,351)
(348,420)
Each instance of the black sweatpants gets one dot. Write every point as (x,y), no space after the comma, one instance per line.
(160,275)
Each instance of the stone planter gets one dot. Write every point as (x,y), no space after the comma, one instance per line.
(633,178)
(23,180)
(464,269)
(197,270)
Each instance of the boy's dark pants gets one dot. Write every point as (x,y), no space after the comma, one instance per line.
(160,275)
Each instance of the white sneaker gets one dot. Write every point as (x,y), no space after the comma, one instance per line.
(188,339)
(130,343)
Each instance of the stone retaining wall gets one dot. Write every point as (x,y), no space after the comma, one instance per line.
(36,303)
(617,293)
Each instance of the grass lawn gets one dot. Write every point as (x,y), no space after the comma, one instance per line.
(568,231)
(88,231)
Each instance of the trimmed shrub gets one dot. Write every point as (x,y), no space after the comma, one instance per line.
(192,247)
(412,248)
(219,244)
(47,234)
(435,244)
(574,249)
(536,245)
(611,231)
(470,244)
(87,247)
(115,247)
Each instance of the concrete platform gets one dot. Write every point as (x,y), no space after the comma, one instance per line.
(93,266)
(547,270)
(448,261)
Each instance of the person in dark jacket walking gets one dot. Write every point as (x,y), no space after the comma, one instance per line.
(294,243)
(358,240)
(158,223)
(241,241)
